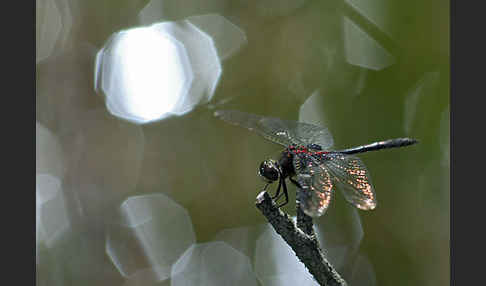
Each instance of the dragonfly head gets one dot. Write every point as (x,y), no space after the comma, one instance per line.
(269,171)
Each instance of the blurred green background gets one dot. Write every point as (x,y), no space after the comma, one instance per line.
(369,70)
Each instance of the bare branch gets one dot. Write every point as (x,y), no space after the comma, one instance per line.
(305,246)
(304,222)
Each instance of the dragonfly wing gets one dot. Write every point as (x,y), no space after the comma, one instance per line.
(311,134)
(300,132)
(315,190)
(284,132)
(351,176)
(267,127)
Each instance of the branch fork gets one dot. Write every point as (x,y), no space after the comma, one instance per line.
(301,238)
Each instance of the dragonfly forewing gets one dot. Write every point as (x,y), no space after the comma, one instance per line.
(301,133)
(284,132)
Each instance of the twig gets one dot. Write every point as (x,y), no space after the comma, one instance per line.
(304,222)
(301,239)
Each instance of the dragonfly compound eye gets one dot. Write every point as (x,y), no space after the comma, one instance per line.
(269,171)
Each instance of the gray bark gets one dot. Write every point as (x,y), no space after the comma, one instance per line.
(301,238)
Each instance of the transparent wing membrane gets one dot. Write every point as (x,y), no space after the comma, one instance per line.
(300,132)
(315,190)
(352,178)
(284,132)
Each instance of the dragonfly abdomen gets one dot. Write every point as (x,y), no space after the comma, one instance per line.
(392,143)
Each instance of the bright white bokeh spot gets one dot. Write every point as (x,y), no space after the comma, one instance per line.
(227,37)
(146,50)
(144,73)
(151,233)
(147,74)
(212,264)
(415,96)
(362,50)
(48,152)
(276,263)
(204,62)
(52,220)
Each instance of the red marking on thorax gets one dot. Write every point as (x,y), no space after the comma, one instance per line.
(298,149)
(301,149)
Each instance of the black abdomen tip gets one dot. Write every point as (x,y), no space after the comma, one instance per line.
(413,141)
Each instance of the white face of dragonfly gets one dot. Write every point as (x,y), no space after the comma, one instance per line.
(269,171)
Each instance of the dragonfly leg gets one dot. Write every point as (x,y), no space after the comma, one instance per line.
(266,186)
(285,193)
(278,190)
(295,183)
(280,195)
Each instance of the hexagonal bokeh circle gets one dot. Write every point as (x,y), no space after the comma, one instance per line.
(149,234)
(53,26)
(276,263)
(52,220)
(213,264)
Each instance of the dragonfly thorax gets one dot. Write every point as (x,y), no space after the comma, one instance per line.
(285,163)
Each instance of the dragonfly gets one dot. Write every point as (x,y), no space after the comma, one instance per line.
(309,164)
